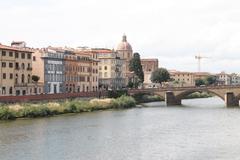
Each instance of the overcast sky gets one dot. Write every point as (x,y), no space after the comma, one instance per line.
(174,31)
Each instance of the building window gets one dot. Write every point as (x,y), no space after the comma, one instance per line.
(10,65)
(3,53)
(34,58)
(23,78)
(105,74)
(10,54)
(16,55)
(17,65)
(10,90)
(23,55)
(29,55)
(100,67)
(3,64)
(3,90)
(29,78)
(29,66)
(4,75)
(105,67)
(10,76)
(16,79)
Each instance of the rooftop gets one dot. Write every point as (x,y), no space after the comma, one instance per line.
(5,47)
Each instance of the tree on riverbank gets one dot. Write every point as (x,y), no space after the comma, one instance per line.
(160,75)
(209,80)
(136,67)
(199,82)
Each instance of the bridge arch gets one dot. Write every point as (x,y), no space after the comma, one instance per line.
(183,94)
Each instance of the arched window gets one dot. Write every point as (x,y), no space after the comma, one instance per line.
(23,78)
(16,79)
(29,78)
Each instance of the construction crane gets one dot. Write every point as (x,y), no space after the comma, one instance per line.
(199,57)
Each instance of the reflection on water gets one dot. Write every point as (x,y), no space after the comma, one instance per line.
(200,129)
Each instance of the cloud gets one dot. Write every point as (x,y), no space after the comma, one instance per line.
(174,31)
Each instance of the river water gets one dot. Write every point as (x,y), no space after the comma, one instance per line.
(202,129)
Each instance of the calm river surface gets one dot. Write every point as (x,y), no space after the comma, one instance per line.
(202,129)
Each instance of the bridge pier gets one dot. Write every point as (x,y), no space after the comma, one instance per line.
(231,100)
(171,99)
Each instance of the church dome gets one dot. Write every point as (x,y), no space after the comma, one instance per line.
(124,45)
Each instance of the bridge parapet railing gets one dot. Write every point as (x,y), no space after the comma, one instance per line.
(192,87)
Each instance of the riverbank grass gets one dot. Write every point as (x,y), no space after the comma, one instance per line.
(31,110)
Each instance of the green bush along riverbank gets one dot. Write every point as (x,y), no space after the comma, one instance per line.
(31,110)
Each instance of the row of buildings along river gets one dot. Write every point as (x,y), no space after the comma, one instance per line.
(29,71)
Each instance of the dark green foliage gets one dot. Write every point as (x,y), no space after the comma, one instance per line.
(136,67)
(144,98)
(199,82)
(117,93)
(130,84)
(160,75)
(35,78)
(211,80)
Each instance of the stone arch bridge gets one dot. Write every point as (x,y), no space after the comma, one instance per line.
(174,95)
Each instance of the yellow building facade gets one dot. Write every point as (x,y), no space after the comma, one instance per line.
(182,79)
(16,71)
(111,69)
